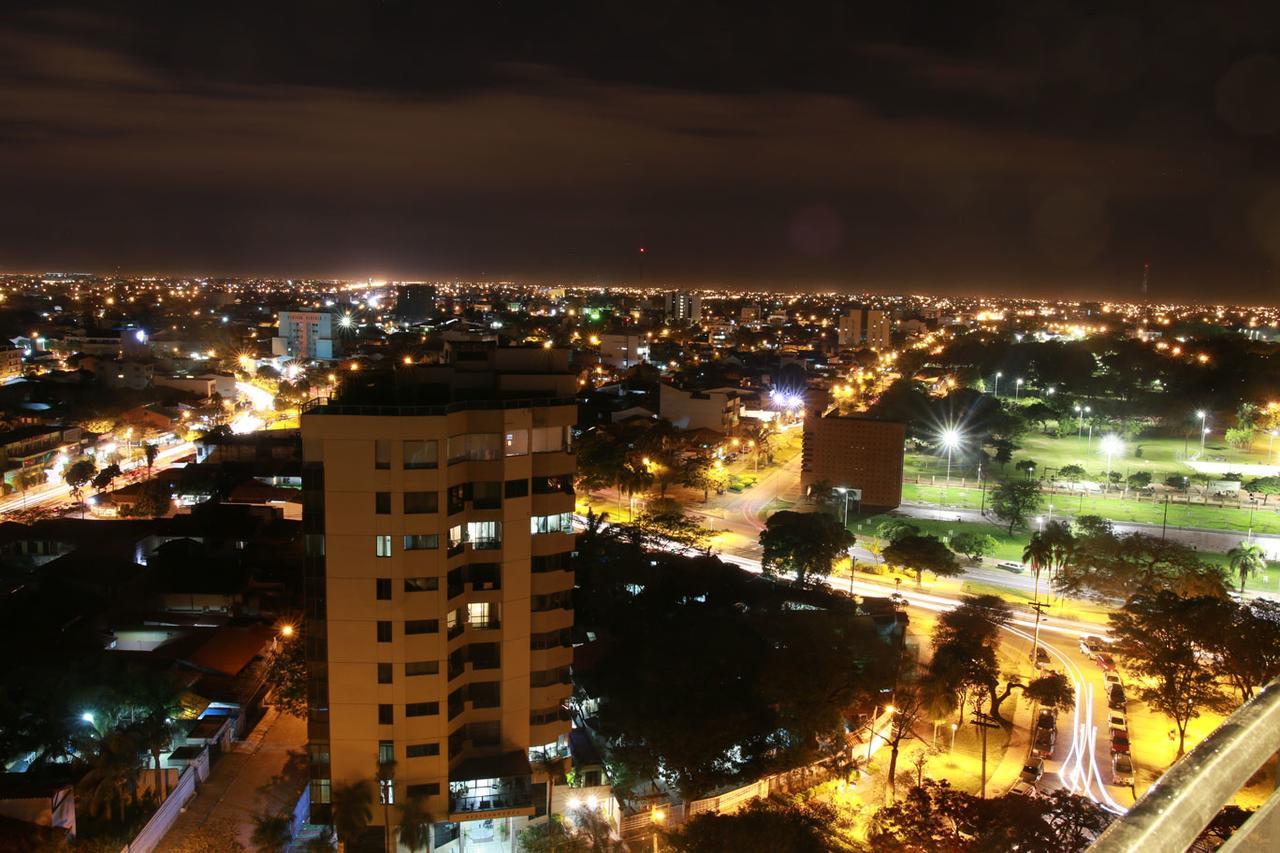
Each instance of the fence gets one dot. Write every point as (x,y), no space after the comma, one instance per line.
(151,834)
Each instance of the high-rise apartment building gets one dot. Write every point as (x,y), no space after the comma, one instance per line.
(438,509)
(305,335)
(683,307)
(415,302)
(864,327)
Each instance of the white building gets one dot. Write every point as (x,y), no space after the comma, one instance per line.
(683,307)
(306,335)
(862,327)
(623,350)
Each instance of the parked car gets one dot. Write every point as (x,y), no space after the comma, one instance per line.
(1117,722)
(1093,644)
(1119,741)
(1105,661)
(1044,742)
(1116,698)
(1042,656)
(1047,719)
(1012,566)
(1032,770)
(1024,789)
(1121,769)
(1112,678)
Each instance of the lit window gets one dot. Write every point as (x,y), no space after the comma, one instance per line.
(382,548)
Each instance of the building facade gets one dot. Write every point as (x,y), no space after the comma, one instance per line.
(864,327)
(683,307)
(438,513)
(855,453)
(714,408)
(623,350)
(306,335)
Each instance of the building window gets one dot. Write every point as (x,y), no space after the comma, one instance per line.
(421,454)
(422,626)
(516,443)
(421,667)
(477,446)
(422,541)
(382,586)
(485,694)
(382,503)
(417,503)
(562,600)
(382,454)
(517,488)
(382,545)
(320,791)
(551,563)
(426,789)
(318,752)
(386,716)
(384,631)
(482,615)
(484,534)
(421,750)
(560,522)
(421,584)
(548,677)
(386,751)
(548,439)
(384,673)
(422,709)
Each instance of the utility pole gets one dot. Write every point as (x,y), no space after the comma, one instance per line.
(1164,525)
(1038,607)
(984,722)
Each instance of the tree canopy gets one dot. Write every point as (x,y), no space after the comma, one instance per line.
(922,554)
(807,544)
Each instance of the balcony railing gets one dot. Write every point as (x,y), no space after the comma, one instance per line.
(1173,812)
(507,794)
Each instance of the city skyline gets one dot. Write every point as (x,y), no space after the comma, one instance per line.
(1040,151)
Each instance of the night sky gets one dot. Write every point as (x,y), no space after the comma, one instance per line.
(1036,148)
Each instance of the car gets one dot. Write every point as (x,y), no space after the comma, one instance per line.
(1119,741)
(1032,770)
(1105,661)
(1093,644)
(1044,743)
(1024,789)
(1117,722)
(1012,566)
(1047,719)
(1112,678)
(1085,650)
(1116,698)
(1121,769)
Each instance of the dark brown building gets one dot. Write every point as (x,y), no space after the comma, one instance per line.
(855,452)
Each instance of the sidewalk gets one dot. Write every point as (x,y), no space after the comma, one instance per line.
(266,771)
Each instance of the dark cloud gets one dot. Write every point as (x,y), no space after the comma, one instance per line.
(1033,147)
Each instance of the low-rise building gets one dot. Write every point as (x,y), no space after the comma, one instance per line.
(623,350)
(306,335)
(10,363)
(714,408)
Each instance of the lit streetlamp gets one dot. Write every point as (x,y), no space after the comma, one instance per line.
(996,392)
(950,440)
(1111,445)
(1017,387)
(1204,428)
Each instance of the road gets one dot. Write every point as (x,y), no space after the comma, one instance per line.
(56,494)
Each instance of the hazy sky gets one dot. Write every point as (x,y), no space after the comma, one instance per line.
(1033,147)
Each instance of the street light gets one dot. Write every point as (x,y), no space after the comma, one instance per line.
(950,440)
(1080,413)
(1017,386)
(846,491)
(996,393)
(1111,445)
(1204,428)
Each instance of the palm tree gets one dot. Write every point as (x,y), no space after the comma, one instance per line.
(271,832)
(632,479)
(1039,553)
(352,808)
(112,768)
(151,452)
(1247,558)
(414,830)
(156,703)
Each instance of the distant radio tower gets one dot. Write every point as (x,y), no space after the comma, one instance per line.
(1146,273)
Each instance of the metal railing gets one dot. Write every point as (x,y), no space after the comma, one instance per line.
(1182,803)
(334,406)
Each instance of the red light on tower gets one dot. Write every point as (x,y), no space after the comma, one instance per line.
(642,250)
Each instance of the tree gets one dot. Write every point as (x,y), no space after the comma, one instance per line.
(965,649)
(1181,482)
(351,807)
(1240,438)
(895,528)
(150,451)
(973,544)
(921,554)
(766,826)
(77,475)
(286,672)
(600,458)
(909,707)
(112,768)
(155,702)
(1072,473)
(807,544)
(1139,480)
(1026,466)
(1054,691)
(1158,636)
(1120,566)
(153,499)
(550,837)
(1246,559)
(1075,820)
(1244,641)
(665,519)
(272,832)
(1013,501)
(1265,486)
(102,481)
